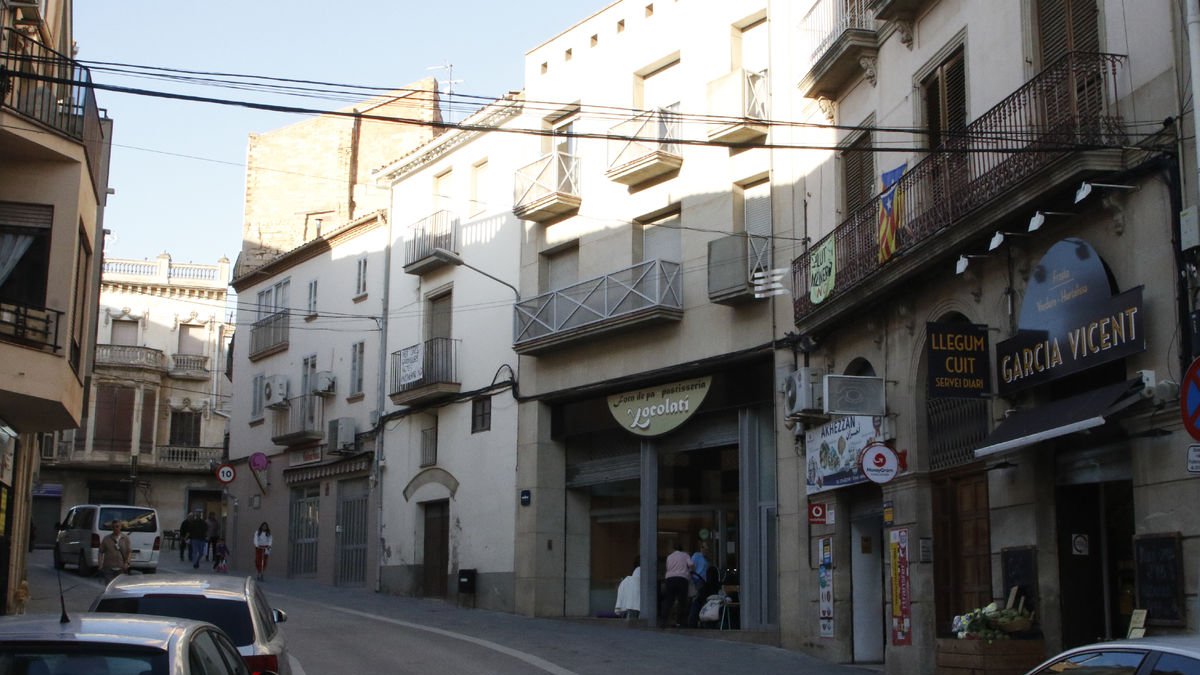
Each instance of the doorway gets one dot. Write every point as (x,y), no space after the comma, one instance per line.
(866,573)
(351,532)
(1095,560)
(437,548)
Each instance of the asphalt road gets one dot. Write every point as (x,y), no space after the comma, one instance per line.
(338,630)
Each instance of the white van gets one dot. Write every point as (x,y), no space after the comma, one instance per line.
(83,527)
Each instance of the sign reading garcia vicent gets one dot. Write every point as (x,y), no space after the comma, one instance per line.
(656,410)
(1071,320)
(959,362)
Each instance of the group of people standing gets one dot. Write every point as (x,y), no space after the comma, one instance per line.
(688,582)
(202,539)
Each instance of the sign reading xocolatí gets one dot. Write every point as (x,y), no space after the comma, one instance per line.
(656,410)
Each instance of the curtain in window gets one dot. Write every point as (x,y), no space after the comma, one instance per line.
(12,247)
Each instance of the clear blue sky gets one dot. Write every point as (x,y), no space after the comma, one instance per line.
(178,168)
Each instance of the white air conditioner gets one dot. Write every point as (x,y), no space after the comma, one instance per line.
(800,393)
(275,391)
(326,384)
(853,395)
(341,434)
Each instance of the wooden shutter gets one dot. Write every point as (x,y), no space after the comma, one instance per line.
(858,173)
(440,316)
(1066,26)
(149,412)
(945,92)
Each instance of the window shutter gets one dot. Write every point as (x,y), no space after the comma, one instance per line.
(858,169)
(758,225)
(26,215)
(149,412)
(955,92)
(1065,26)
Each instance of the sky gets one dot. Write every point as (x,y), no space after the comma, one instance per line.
(178,168)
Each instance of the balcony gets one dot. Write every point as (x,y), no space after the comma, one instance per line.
(547,188)
(188,457)
(29,326)
(269,335)
(439,230)
(739,99)
(189,366)
(130,356)
(649,292)
(300,420)
(645,147)
(1021,152)
(898,10)
(52,90)
(840,34)
(424,372)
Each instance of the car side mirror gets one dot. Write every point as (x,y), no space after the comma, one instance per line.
(279,615)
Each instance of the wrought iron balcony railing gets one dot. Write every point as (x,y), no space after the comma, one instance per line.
(270,334)
(547,187)
(130,356)
(424,371)
(30,326)
(52,89)
(645,146)
(300,421)
(1063,109)
(439,230)
(647,291)
(828,20)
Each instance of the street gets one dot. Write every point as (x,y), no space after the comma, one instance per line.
(353,630)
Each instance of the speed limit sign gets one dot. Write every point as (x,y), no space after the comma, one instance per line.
(226,473)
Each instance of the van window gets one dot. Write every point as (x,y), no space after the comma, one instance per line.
(133,519)
(84,519)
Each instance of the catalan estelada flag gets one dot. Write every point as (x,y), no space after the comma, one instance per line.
(891,206)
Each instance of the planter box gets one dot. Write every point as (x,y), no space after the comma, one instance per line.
(980,657)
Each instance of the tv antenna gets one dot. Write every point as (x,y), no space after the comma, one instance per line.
(448,83)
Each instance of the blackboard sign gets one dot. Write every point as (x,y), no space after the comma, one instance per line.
(1019,568)
(1159,560)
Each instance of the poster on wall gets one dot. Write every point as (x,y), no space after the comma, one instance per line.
(901,597)
(834,450)
(8,453)
(825,586)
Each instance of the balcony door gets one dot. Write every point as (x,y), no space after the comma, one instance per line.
(191,340)
(124,332)
(1066,26)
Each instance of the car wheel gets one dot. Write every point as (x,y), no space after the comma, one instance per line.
(84,568)
(59,563)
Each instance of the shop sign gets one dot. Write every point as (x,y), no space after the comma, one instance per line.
(901,589)
(817,513)
(1193,459)
(834,451)
(412,362)
(959,360)
(825,587)
(879,463)
(822,271)
(656,410)
(1070,320)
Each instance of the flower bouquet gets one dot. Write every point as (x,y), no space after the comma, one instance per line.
(992,622)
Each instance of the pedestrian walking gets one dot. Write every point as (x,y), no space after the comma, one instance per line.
(183,537)
(214,533)
(262,548)
(114,553)
(198,536)
(679,569)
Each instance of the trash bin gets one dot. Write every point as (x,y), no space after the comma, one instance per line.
(466,581)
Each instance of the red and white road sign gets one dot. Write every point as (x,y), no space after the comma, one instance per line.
(226,473)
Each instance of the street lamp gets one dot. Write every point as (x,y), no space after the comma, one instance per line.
(448,256)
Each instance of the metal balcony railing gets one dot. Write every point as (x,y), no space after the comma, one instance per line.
(434,361)
(30,326)
(303,419)
(646,285)
(754,95)
(829,19)
(439,230)
(130,356)
(554,174)
(651,132)
(199,457)
(269,333)
(52,89)
(1062,110)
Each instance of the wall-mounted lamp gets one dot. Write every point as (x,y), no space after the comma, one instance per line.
(1085,189)
(999,237)
(1039,218)
(964,261)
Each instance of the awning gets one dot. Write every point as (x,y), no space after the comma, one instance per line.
(1062,417)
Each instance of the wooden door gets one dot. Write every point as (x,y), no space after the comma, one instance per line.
(437,548)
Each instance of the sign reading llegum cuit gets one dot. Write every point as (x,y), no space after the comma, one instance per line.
(656,410)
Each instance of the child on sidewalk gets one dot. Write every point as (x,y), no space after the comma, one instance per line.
(220,556)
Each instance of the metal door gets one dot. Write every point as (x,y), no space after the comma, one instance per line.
(437,548)
(303,531)
(352,533)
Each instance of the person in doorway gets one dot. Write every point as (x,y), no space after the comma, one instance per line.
(114,553)
(679,568)
(183,537)
(214,533)
(629,593)
(262,548)
(699,578)
(198,538)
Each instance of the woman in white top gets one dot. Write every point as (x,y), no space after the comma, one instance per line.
(262,548)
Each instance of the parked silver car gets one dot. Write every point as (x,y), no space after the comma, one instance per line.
(1164,655)
(237,605)
(103,644)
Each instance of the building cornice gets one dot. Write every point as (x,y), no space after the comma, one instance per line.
(491,117)
(310,249)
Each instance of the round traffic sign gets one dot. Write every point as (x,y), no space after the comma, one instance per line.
(879,463)
(226,473)
(1189,400)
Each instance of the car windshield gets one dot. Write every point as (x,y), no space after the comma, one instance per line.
(231,616)
(94,659)
(132,519)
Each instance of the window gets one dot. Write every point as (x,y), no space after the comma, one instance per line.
(479,187)
(274,299)
(312,298)
(660,88)
(124,332)
(149,417)
(25,252)
(756,209)
(1066,26)
(439,323)
(191,339)
(561,268)
(308,375)
(660,239)
(481,414)
(360,283)
(858,172)
(113,430)
(185,428)
(443,192)
(945,95)
(256,397)
(358,353)
(429,445)
(80,310)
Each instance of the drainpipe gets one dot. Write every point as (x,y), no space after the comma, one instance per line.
(1193,37)
(381,396)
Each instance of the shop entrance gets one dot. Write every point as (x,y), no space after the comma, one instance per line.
(866,571)
(1095,560)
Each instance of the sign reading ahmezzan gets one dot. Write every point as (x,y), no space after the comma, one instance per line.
(656,410)
(1070,320)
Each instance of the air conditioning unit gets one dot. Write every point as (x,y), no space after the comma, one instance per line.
(853,395)
(341,434)
(801,395)
(275,391)
(325,384)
